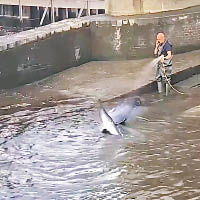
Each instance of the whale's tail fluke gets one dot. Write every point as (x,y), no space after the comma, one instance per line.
(107,122)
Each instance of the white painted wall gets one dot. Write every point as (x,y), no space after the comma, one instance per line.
(132,7)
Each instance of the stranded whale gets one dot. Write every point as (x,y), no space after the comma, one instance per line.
(118,115)
(125,110)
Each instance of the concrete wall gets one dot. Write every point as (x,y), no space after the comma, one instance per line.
(151,6)
(134,38)
(132,7)
(125,7)
(34,61)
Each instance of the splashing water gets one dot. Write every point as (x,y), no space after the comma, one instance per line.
(148,71)
(154,62)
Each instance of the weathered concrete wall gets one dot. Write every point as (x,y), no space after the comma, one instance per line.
(151,6)
(125,7)
(34,61)
(133,38)
(132,7)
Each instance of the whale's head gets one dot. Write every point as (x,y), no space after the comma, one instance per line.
(137,101)
(133,101)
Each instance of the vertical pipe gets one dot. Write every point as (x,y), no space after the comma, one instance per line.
(56,12)
(52,12)
(87,8)
(141,6)
(67,13)
(77,12)
(20,11)
(162,6)
(2,9)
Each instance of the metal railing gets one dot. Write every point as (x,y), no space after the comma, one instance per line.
(51,5)
(92,4)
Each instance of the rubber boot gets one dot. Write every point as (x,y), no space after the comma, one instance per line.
(159,87)
(167,87)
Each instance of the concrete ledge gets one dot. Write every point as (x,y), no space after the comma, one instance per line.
(26,37)
(151,87)
(184,66)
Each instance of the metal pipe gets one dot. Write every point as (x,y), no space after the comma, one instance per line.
(20,11)
(52,12)
(2,10)
(87,7)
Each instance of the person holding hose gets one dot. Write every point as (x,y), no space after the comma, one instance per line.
(163,49)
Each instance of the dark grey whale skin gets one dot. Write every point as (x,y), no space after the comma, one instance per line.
(125,110)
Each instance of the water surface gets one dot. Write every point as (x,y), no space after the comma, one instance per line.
(52,148)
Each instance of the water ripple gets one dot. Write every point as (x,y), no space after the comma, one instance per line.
(58,152)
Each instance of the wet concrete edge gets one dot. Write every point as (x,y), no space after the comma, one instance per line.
(151,87)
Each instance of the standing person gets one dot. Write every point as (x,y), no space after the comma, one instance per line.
(163,49)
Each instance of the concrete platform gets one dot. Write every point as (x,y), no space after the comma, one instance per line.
(106,80)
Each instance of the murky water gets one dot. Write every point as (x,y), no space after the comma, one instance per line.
(54,149)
